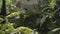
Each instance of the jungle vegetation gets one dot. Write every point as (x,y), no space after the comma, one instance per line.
(45,20)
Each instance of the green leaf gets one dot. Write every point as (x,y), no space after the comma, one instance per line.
(43,20)
(52,3)
(54,30)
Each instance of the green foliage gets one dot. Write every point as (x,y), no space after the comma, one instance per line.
(52,3)
(0,3)
(26,30)
(2,32)
(1,19)
(8,29)
(43,20)
(50,18)
(53,31)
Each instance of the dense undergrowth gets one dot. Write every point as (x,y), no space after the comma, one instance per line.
(46,21)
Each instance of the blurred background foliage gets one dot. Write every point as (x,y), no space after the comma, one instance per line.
(47,21)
